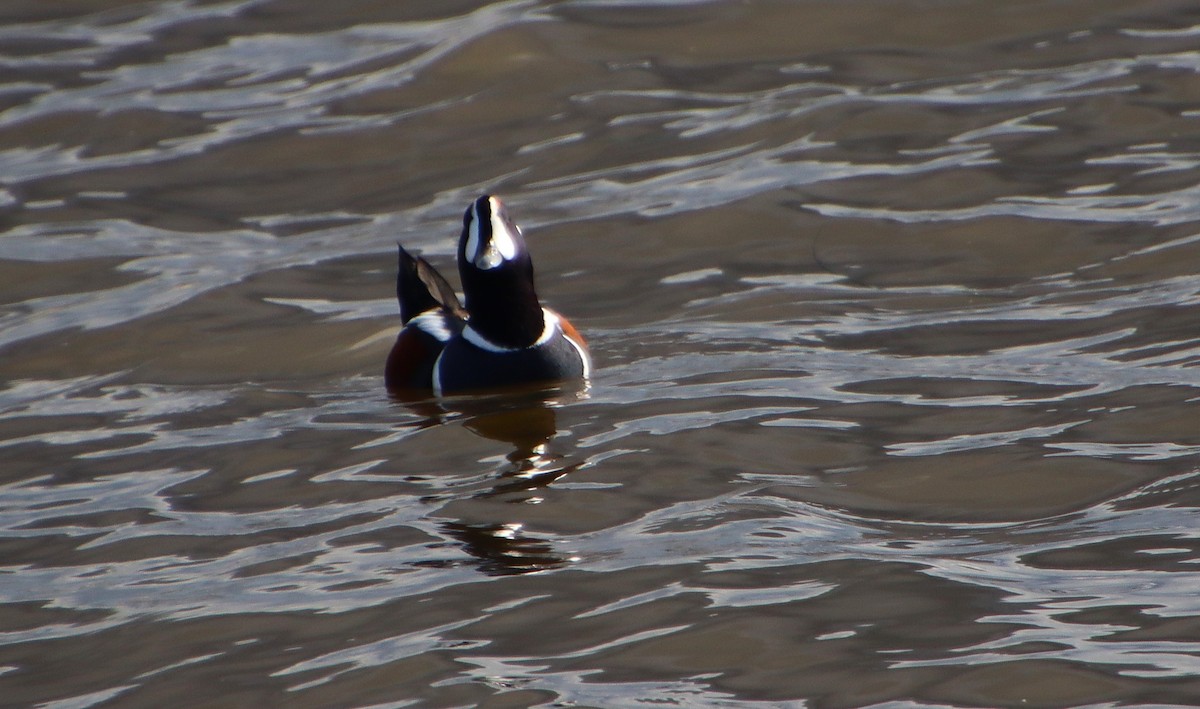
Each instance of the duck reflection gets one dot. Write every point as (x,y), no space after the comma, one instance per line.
(503,549)
(527,422)
(528,430)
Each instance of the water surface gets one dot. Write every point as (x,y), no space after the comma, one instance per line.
(893,305)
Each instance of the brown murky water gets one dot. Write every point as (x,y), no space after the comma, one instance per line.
(894,307)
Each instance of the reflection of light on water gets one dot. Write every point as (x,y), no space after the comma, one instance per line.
(765,454)
(505,549)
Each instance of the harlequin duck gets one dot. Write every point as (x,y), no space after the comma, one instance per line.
(504,338)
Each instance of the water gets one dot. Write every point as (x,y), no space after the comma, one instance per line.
(893,305)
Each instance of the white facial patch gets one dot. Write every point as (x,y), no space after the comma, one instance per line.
(500,248)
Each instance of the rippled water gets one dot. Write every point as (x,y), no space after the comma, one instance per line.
(894,307)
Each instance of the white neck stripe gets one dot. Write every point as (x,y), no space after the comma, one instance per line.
(549,329)
(483,343)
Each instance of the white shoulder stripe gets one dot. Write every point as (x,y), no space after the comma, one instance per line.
(437,374)
(432,322)
(583,357)
(553,325)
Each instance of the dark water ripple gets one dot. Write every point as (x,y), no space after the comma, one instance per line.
(894,319)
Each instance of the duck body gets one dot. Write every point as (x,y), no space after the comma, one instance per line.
(470,362)
(502,338)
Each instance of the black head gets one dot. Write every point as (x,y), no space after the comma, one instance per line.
(497,276)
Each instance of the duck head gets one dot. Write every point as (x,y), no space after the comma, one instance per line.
(497,276)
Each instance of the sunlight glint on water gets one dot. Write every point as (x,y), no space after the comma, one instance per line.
(893,310)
